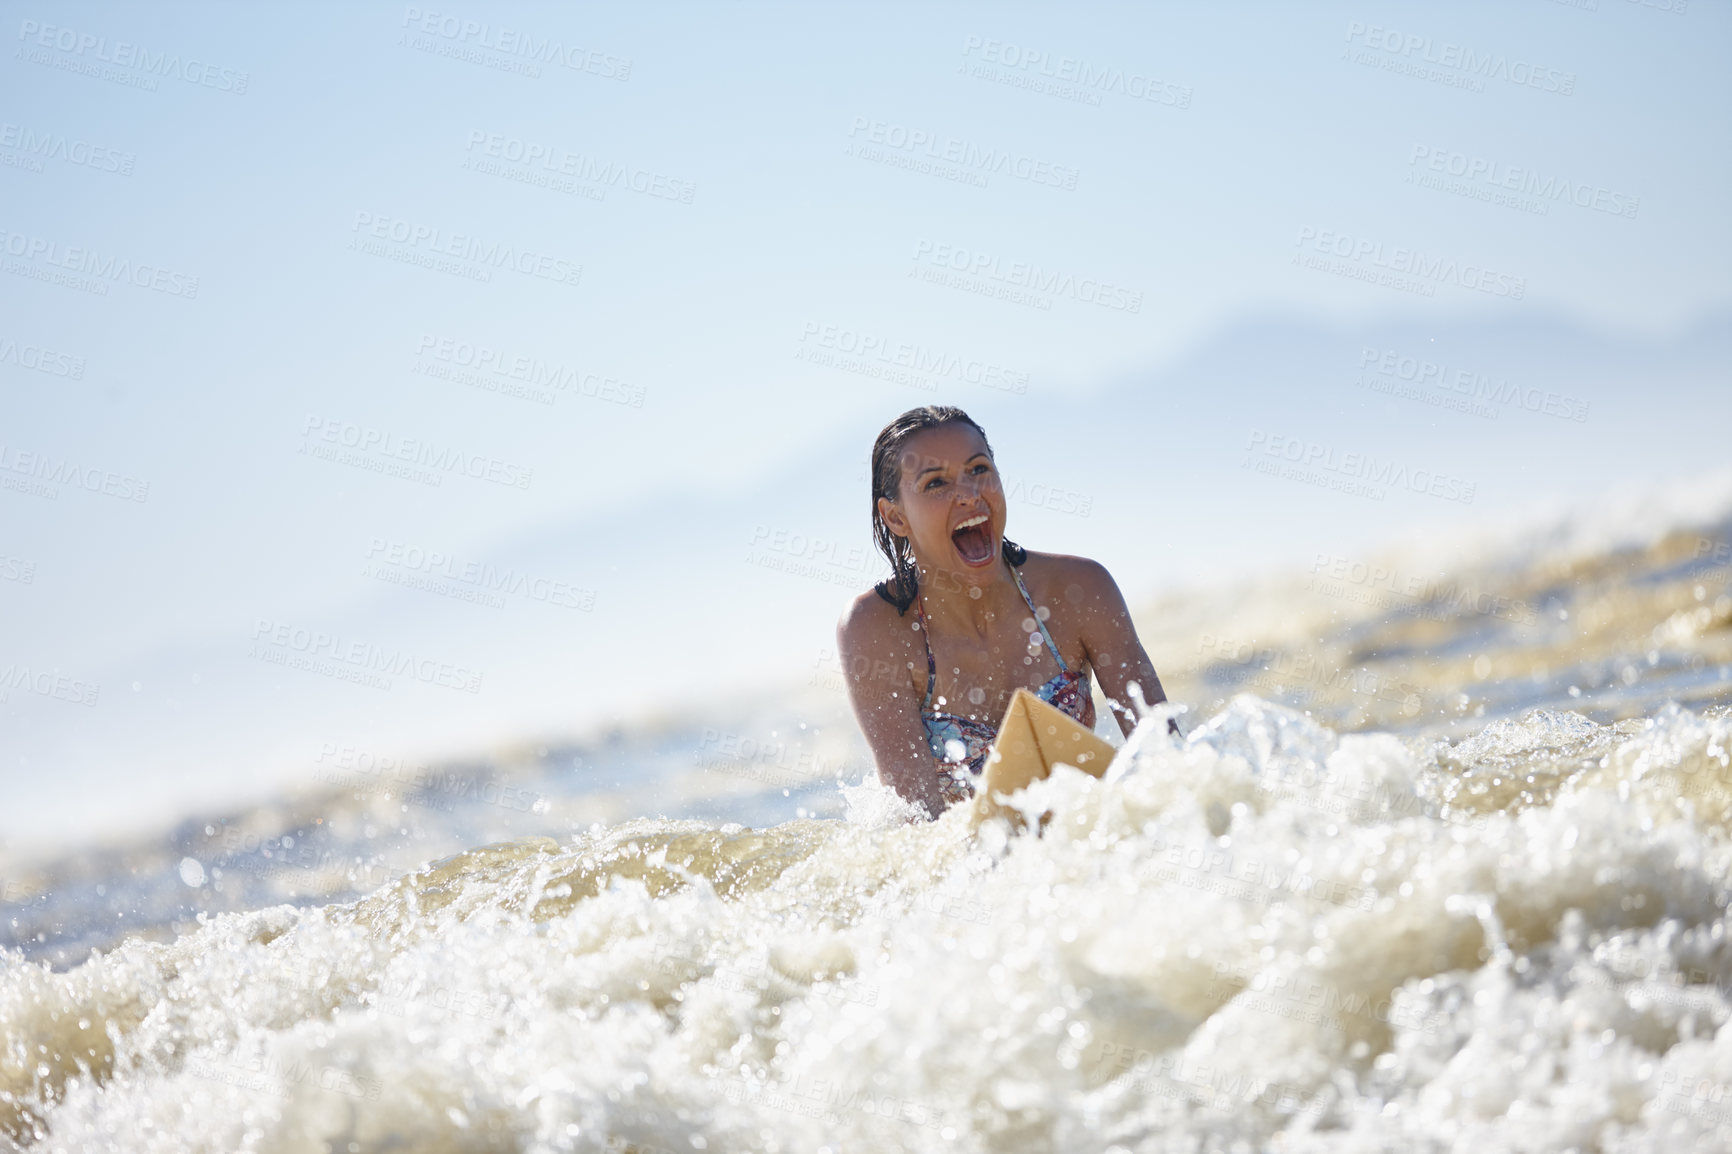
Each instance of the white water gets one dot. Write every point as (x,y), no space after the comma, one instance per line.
(1263,937)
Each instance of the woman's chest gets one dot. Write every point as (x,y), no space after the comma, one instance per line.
(977,673)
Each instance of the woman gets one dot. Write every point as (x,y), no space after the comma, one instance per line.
(933,654)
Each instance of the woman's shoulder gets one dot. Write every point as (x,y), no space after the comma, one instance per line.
(1079,588)
(871,617)
(1065,575)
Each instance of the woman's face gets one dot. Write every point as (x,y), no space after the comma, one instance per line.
(950,504)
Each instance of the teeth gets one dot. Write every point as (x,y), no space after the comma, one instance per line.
(978,519)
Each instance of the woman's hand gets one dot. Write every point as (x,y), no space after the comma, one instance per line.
(919,785)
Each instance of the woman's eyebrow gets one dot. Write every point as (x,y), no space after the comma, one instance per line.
(939,468)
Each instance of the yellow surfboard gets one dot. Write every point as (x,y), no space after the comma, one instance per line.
(1033,738)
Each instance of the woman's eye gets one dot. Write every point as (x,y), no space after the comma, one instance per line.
(982,468)
(935,482)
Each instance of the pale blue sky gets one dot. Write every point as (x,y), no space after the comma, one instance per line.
(1297,121)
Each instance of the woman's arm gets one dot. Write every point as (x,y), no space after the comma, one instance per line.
(1110,639)
(886,706)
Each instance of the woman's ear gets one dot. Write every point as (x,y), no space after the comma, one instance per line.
(892,517)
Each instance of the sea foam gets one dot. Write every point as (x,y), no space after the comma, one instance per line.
(1264,935)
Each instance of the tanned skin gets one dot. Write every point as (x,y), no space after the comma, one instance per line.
(978,619)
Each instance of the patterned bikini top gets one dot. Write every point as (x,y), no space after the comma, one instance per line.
(963,742)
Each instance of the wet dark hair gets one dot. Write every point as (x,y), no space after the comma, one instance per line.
(903,584)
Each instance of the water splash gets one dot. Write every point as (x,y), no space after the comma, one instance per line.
(1265,933)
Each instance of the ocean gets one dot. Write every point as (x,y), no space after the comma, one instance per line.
(1439,862)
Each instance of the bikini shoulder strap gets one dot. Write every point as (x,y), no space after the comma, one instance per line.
(1041,625)
(931,663)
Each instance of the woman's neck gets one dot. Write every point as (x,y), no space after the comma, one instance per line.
(965,605)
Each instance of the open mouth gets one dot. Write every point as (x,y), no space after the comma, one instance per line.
(973,540)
